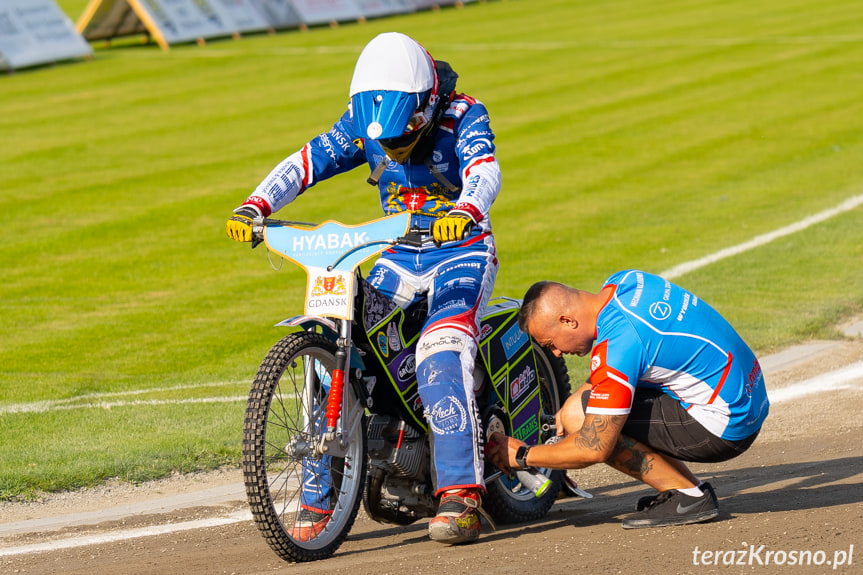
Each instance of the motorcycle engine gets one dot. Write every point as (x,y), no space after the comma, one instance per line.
(399,486)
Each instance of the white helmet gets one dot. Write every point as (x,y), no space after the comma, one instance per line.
(394,92)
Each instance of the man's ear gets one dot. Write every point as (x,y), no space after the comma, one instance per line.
(567,321)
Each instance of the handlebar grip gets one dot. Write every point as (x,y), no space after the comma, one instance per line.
(468,229)
(415,238)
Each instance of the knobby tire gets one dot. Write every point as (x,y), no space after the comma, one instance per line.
(506,501)
(276,456)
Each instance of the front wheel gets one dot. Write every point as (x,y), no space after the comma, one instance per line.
(304,503)
(507,501)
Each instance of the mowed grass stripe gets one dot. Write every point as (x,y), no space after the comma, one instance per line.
(673,126)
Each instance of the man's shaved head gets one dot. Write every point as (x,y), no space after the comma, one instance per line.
(559,317)
(536,301)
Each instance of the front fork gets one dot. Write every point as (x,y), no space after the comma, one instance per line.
(343,412)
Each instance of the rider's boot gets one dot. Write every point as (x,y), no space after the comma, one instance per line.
(309,524)
(458,517)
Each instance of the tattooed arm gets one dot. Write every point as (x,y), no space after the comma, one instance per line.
(597,439)
(595,442)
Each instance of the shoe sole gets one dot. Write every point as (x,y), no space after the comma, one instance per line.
(671,521)
(442,533)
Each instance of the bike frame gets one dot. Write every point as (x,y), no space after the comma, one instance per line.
(330,253)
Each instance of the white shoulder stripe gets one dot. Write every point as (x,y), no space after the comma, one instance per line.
(606,411)
(619,379)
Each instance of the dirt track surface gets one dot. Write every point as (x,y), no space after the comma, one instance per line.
(795,497)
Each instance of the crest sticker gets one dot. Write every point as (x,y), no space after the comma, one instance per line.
(329,285)
(383,344)
(329,294)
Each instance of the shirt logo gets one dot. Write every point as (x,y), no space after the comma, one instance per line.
(660,310)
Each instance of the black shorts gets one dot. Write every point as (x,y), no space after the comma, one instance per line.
(658,420)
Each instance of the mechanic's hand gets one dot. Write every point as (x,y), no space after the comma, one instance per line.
(452,227)
(239,226)
(501,451)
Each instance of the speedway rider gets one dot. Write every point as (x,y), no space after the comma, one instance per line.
(431,153)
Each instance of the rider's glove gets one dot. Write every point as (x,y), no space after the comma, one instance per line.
(452,227)
(239,226)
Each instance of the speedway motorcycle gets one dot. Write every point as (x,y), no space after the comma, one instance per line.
(334,418)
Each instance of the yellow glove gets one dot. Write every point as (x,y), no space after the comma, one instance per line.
(452,227)
(239,226)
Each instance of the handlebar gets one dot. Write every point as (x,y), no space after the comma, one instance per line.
(415,237)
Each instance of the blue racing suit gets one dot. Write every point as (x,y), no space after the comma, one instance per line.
(461,173)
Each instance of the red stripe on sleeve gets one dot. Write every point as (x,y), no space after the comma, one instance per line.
(307,166)
(478,162)
(721,380)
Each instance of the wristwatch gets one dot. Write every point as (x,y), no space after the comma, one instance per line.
(521,456)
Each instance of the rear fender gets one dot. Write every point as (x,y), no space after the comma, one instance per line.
(507,355)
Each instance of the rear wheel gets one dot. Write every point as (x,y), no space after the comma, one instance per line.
(507,501)
(303,503)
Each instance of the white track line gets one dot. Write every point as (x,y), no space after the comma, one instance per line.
(124,535)
(75,402)
(134,403)
(844,378)
(687,267)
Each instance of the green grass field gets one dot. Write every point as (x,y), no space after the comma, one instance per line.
(636,133)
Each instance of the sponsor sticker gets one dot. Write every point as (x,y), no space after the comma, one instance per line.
(527,429)
(393,336)
(328,243)
(417,402)
(408,367)
(328,294)
(513,340)
(521,384)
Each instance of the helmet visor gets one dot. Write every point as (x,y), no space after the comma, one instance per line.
(380,114)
